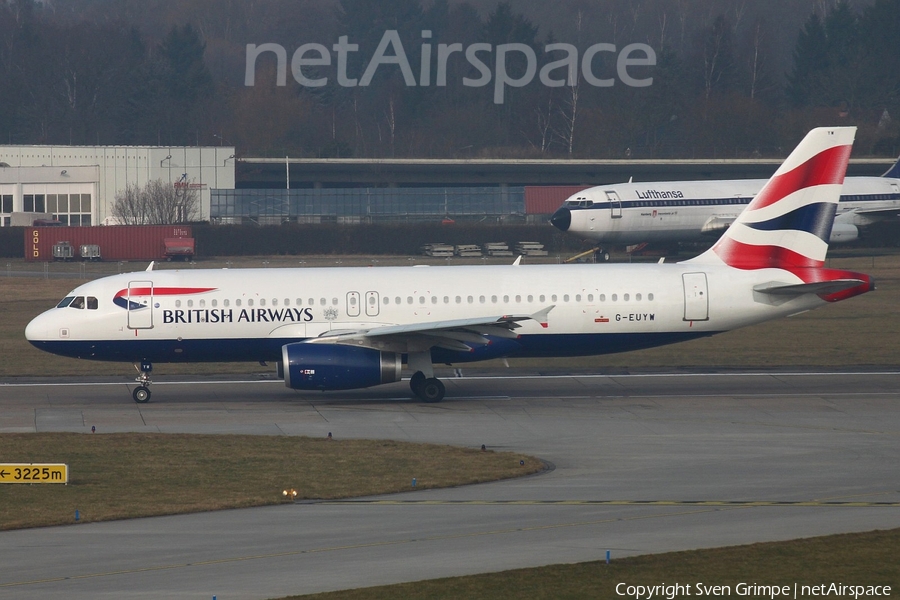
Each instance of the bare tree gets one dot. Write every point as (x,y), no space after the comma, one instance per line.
(157,203)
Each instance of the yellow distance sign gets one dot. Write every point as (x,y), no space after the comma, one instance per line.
(34,473)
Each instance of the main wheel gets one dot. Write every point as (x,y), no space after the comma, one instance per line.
(141,394)
(432,390)
(417,382)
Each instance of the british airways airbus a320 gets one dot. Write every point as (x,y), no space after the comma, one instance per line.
(345,328)
(627,214)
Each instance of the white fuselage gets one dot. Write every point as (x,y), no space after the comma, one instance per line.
(222,315)
(633,213)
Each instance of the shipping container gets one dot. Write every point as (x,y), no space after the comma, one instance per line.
(116,242)
(545,199)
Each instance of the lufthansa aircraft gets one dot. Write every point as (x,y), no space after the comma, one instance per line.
(688,211)
(344,328)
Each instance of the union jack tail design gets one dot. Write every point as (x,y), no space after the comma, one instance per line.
(789,222)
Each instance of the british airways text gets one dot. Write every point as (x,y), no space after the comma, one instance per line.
(228,315)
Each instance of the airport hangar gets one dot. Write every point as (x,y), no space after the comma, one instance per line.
(77,185)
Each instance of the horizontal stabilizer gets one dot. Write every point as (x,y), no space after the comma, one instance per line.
(818,287)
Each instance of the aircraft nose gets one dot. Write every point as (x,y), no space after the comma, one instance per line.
(36,329)
(562,219)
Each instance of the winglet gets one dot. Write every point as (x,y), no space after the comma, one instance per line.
(541,316)
(518,261)
(151,266)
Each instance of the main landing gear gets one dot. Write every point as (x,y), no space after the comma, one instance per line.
(428,389)
(141,393)
(423,383)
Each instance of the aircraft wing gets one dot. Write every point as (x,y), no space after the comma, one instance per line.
(452,334)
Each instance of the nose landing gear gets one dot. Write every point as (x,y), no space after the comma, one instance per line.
(141,393)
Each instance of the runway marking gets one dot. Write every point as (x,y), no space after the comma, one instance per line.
(729,503)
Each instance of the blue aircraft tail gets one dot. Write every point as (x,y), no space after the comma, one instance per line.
(893,172)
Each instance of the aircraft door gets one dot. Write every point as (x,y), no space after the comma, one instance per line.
(615,205)
(352,304)
(140,304)
(372,306)
(696,297)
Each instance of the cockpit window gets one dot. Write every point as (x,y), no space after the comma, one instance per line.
(92,303)
(65,302)
(78,302)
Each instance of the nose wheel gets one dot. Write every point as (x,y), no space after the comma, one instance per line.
(141,394)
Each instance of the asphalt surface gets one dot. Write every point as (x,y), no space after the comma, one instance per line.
(640,464)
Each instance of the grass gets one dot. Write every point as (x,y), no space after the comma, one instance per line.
(121,476)
(866,559)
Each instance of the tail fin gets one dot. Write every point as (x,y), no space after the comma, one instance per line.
(788,223)
(893,172)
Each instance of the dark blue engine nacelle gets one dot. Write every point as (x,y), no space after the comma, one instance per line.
(337,367)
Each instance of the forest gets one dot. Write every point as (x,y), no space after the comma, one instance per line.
(729,78)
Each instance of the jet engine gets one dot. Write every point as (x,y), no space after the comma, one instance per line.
(842,233)
(337,367)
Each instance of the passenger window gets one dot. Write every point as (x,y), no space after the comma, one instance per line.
(214,303)
(470,299)
(565,298)
(459,299)
(262,301)
(602,297)
(334,301)
(434,299)
(352,300)
(237,302)
(190,303)
(202,303)
(615,297)
(397,300)
(92,303)
(553,298)
(650,297)
(446,299)
(577,297)
(249,302)
(542,298)
(530,298)
(637,297)
(274,301)
(481,299)
(409,299)
(178,304)
(625,297)
(226,302)
(322,301)
(518,298)
(590,297)
(506,299)
(421,300)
